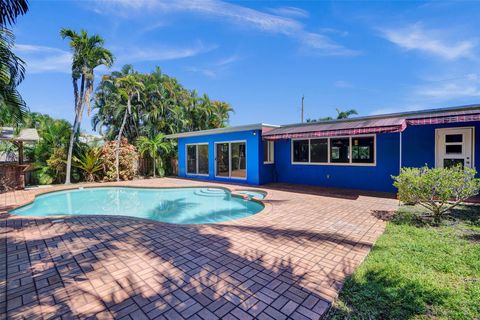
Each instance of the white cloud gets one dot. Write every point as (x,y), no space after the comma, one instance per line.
(160,53)
(342,84)
(435,42)
(450,91)
(232,13)
(44,59)
(290,12)
(41,59)
(324,45)
(214,69)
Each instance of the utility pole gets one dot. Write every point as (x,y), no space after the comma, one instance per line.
(302,107)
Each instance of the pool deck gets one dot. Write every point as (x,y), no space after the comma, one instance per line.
(288,261)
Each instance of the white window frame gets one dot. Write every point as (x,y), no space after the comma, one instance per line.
(230,159)
(329,163)
(196,159)
(270,152)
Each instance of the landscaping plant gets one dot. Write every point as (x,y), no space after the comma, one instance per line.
(128,158)
(152,148)
(88,53)
(90,162)
(436,189)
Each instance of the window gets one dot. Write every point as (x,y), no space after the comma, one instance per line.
(197,159)
(342,150)
(300,150)
(363,150)
(231,159)
(319,150)
(268,152)
(454,143)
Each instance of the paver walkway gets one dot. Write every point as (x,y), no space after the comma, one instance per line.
(289,261)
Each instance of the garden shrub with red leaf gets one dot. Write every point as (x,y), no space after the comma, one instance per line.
(128,161)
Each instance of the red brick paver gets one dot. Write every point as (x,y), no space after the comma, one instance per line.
(289,261)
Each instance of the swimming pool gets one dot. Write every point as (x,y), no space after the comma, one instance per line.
(174,205)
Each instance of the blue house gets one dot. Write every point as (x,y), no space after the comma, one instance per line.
(358,153)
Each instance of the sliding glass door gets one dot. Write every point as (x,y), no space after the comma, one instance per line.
(231,160)
(197,159)
(222,160)
(239,160)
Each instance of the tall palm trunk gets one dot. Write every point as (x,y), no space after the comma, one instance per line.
(76,124)
(119,138)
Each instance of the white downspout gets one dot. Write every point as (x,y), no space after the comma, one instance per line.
(400,154)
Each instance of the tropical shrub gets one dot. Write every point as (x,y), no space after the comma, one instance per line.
(57,165)
(90,162)
(152,147)
(436,189)
(128,159)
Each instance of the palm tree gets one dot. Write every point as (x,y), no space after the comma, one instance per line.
(128,87)
(12,70)
(88,53)
(346,114)
(220,114)
(152,146)
(11,9)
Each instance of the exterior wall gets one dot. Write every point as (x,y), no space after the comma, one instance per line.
(254,148)
(267,171)
(374,178)
(418,149)
(418,144)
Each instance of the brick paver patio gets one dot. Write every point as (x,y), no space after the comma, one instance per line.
(289,261)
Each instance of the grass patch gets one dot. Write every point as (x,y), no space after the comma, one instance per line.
(418,271)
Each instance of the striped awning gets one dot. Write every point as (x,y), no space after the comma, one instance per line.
(369,125)
(445,119)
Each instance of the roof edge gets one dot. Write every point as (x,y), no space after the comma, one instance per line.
(256,126)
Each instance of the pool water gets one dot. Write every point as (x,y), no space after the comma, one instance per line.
(174,205)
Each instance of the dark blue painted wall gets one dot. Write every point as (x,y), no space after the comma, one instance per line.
(418,149)
(419,144)
(253,139)
(376,178)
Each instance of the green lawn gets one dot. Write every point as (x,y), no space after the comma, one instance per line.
(418,271)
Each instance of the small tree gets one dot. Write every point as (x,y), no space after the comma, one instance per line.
(152,147)
(436,189)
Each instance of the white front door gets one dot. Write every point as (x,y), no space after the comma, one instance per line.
(454,146)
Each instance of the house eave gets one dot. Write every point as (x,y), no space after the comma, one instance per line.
(257,126)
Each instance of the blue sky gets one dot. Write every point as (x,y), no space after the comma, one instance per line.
(262,56)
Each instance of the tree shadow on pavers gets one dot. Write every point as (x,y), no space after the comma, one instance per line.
(376,295)
(299,236)
(109,266)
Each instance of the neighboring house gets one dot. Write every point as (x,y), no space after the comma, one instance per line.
(91,139)
(357,153)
